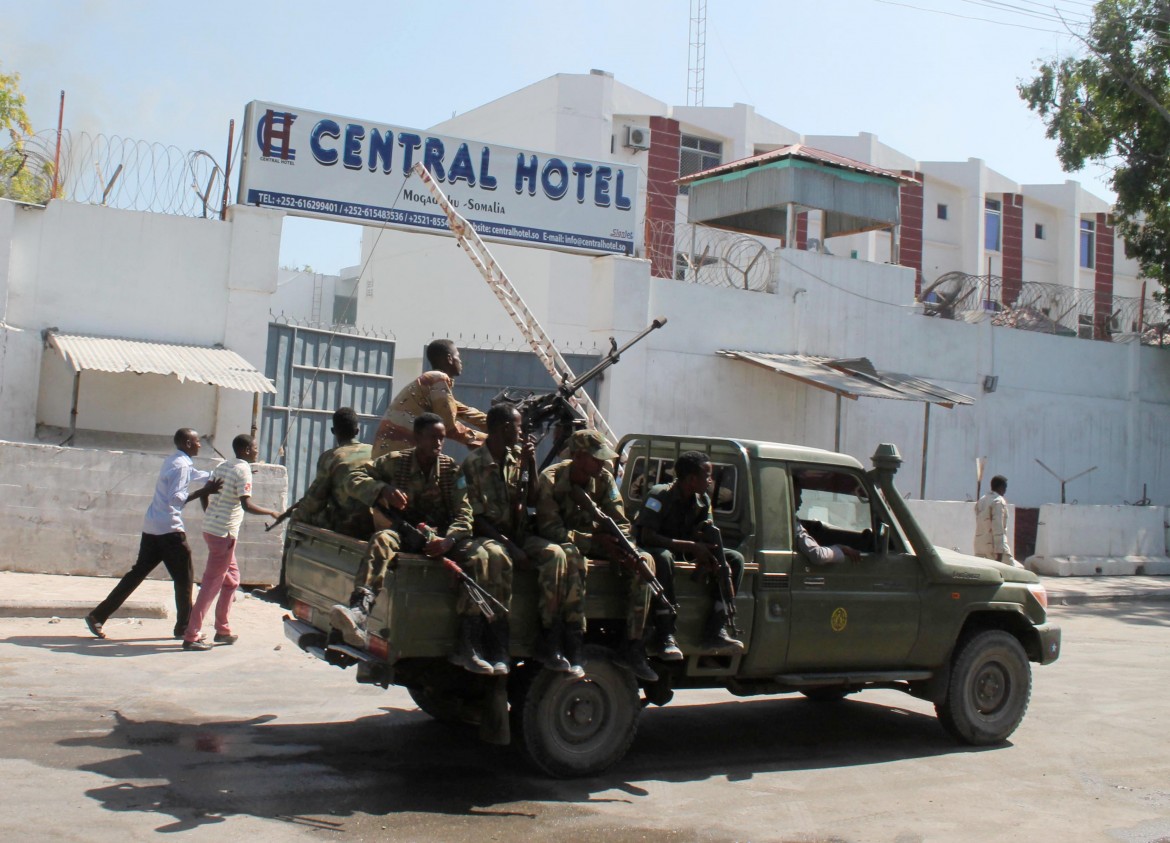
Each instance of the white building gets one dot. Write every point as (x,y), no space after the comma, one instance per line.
(811,302)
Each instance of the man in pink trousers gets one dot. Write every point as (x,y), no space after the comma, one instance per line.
(221,525)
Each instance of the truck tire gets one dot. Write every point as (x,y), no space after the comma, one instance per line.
(579,727)
(444,707)
(991,683)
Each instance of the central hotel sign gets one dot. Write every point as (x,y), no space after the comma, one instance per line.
(322,165)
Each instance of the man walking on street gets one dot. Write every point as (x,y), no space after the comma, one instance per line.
(163,536)
(221,526)
(991,521)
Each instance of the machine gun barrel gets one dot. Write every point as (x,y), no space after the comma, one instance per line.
(569,388)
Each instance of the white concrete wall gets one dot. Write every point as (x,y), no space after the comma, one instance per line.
(1101,530)
(1071,403)
(80,511)
(951,524)
(1101,541)
(92,270)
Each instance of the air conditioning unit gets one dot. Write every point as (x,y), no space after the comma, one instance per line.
(637,137)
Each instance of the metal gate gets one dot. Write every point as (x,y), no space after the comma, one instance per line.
(317,370)
(486,371)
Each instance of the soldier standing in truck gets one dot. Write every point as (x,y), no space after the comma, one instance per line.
(431,392)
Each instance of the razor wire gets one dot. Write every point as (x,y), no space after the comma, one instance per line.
(125,173)
(715,257)
(1046,307)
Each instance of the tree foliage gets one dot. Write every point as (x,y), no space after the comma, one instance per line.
(1111,105)
(23,175)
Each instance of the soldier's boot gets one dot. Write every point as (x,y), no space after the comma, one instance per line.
(549,650)
(665,645)
(632,657)
(496,646)
(574,643)
(350,620)
(466,653)
(716,640)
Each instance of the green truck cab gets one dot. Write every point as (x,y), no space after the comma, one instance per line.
(952,629)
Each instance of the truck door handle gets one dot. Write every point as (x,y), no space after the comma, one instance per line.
(886,584)
(814,581)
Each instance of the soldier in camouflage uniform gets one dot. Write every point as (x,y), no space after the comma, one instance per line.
(561,520)
(434,392)
(676,522)
(426,481)
(327,502)
(501,485)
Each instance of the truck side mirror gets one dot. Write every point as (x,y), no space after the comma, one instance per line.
(883,538)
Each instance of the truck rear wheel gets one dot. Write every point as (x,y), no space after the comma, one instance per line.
(444,706)
(579,727)
(991,683)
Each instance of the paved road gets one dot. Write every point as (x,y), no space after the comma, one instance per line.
(122,739)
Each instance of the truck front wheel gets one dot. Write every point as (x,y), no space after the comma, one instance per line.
(579,727)
(991,683)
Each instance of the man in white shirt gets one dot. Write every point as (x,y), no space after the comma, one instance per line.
(163,536)
(221,526)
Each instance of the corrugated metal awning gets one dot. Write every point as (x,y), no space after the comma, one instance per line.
(213,366)
(796,151)
(852,378)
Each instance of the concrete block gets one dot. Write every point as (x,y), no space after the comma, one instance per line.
(1099,566)
(951,524)
(1066,530)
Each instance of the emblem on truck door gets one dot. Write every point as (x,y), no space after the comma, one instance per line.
(839,620)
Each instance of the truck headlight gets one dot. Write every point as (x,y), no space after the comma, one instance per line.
(1040,593)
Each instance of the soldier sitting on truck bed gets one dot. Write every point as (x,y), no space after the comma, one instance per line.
(562,520)
(501,482)
(327,503)
(676,520)
(422,484)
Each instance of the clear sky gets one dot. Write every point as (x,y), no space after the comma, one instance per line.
(933,78)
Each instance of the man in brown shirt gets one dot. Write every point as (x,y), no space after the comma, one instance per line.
(431,392)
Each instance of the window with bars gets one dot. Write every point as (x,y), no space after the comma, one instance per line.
(697,154)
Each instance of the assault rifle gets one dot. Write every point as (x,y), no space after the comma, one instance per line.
(419,536)
(555,410)
(710,534)
(631,559)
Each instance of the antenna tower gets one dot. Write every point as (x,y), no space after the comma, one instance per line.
(697,52)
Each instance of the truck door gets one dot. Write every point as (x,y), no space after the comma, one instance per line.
(849,615)
(773,554)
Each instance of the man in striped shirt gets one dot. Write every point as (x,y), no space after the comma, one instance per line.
(221,526)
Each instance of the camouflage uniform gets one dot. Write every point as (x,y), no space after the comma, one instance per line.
(328,502)
(430,392)
(434,497)
(560,520)
(496,496)
(673,516)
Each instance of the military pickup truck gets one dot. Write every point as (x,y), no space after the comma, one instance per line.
(945,627)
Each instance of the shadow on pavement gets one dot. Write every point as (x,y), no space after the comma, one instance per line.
(89,646)
(401,762)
